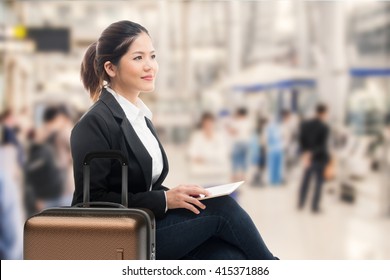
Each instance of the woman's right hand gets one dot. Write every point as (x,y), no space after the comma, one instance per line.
(185,196)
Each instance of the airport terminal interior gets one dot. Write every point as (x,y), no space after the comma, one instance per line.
(237,82)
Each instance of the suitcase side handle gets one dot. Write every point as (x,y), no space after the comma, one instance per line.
(111,154)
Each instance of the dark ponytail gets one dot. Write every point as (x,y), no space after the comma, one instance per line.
(89,76)
(113,43)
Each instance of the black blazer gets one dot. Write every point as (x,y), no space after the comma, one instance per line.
(313,138)
(106,127)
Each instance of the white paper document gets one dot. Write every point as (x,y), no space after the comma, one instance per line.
(221,190)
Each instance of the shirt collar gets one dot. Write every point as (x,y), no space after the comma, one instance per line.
(131,110)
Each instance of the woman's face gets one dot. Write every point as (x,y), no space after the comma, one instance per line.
(137,69)
(208,125)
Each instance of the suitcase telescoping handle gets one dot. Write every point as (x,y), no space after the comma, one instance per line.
(111,154)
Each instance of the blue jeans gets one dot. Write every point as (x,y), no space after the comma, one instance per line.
(275,167)
(222,231)
(240,156)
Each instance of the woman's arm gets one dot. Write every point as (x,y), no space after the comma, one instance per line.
(93,134)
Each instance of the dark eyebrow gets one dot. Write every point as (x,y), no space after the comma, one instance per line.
(139,52)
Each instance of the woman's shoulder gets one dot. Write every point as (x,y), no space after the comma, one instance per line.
(97,111)
(97,115)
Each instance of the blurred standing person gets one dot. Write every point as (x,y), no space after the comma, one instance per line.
(287,134)
(240,129)
(11,209)
(9,131)
(208,154)
(260,156)
(275,155)
(313,140)
(292,150)
(31,204)
(59,125)
(49,164)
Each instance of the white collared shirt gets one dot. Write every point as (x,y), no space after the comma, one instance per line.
(136,115)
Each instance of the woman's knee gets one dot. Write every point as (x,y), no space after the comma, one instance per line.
(223,206)
(222,201)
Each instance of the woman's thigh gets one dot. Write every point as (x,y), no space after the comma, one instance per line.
(181,231)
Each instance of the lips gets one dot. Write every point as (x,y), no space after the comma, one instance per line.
(147,78)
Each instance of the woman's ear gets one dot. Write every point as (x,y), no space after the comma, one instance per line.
(110,69)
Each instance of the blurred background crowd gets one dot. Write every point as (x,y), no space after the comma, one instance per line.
(277,93)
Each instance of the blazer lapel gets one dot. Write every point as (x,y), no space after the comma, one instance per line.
(139,150)
(164,156)
(130,136)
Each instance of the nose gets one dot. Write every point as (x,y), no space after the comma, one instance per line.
(147,65)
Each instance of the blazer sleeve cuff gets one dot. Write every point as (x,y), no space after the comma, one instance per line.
(166,202)
(160,205)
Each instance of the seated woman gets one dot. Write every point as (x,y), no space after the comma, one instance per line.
(186,228)
(208,154)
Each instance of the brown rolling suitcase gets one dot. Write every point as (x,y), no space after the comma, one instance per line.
(92,230)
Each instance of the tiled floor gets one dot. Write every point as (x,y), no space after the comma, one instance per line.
(338,232)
